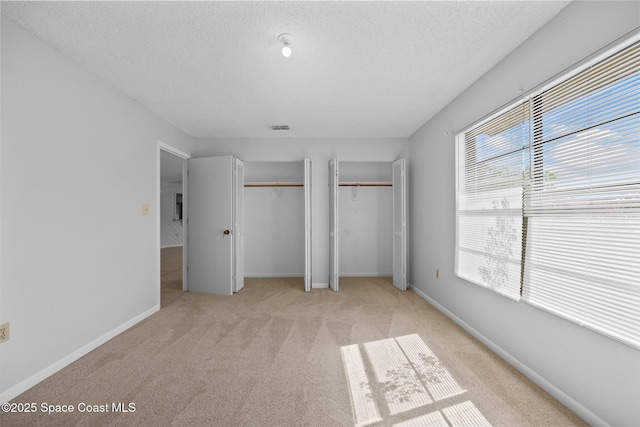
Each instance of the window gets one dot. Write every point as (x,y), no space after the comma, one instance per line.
(490,181)
(582,207)
(579,145)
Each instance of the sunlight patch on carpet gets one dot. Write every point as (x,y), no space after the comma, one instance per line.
(365,410)
(465,414)
(400,375)
(401,387)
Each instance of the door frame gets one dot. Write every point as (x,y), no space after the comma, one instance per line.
(334,245)
(238,168)
(307,224)
(184,156)
(399,254)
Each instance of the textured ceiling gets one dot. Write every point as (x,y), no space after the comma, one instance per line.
(358,69)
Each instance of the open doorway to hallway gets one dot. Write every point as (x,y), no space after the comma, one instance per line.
(172,206)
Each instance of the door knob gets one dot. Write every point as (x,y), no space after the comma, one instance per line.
(226,232)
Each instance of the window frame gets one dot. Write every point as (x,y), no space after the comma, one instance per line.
(536,168)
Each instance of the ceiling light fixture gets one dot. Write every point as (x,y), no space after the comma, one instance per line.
(286,39)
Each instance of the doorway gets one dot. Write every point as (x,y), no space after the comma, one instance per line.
(367,221)
(278,220)
(172,214)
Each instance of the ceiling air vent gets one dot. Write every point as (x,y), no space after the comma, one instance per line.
(279,127)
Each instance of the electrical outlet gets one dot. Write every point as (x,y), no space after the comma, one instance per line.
(437,273)
(4,332)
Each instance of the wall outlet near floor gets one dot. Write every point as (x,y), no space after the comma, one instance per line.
(4,332)
(437,273)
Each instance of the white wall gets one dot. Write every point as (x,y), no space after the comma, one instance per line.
(320,151)
(79,261)
(274,232)
(170,230)
(595,376)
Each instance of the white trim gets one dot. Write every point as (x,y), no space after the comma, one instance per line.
(334,230)
(267,184)
(565,74)
(500,110)
(184,156)
(366,274)
(185,223)
(270,275)
(554,391)
(586,63)
(320,285)
(170,246)
(173,150)
(307,225)
(23,386)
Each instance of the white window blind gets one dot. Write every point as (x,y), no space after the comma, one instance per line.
(582,207)
(548,198)
(491,159)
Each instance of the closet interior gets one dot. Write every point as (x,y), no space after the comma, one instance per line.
(367,220)
(277,218)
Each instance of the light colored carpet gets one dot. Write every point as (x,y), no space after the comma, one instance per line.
(273,355)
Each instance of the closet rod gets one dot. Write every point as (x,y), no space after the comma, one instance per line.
(274,185)
(365,185)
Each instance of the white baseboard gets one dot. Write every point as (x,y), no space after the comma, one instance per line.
(25,385)
(366,275)
(554,391)
(257,276)
(170,246)
(326,285)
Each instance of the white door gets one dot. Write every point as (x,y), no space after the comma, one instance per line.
(399,224)
(210,210)
(307,225)
(333,224)
(238,225)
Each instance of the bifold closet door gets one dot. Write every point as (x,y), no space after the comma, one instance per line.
(400,224)
(307,225)
(210,218)
(333,224)
(238,225)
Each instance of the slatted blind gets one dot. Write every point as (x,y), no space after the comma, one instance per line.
(582,207)
(548,198)
(491,160)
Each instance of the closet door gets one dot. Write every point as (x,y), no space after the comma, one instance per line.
(307,225)
(238,225)
(210,217)
(333,224)
(399,224)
